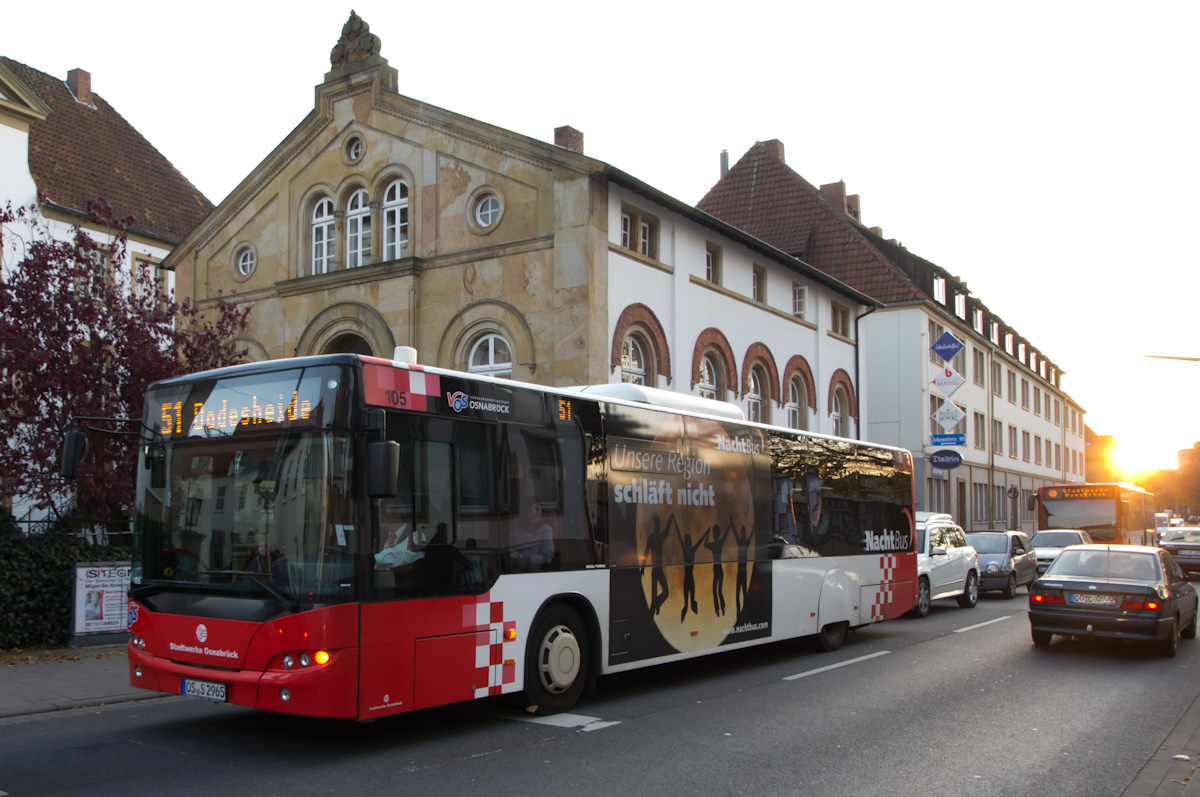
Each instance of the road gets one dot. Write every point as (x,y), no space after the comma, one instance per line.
(959,703)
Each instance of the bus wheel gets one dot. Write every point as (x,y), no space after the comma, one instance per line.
(556,660)
(832,636)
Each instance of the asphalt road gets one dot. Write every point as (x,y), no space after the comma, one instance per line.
(959,703)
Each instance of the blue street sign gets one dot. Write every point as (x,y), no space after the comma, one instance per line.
(948,440)
(945,459)
(947,346)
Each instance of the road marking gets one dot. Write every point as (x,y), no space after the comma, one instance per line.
(981,625)
(835,666)
(578,721)
(567,721)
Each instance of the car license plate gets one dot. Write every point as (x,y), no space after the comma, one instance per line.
(1187,554)
(205,690)
(1093,599)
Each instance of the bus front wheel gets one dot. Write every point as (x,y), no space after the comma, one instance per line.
(556,660)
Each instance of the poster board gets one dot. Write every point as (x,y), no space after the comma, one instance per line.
(100,605)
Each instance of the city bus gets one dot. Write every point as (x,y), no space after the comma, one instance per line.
(1112,513)
(351,536)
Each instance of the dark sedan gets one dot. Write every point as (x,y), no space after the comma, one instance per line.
(1130,592)
(1184,545)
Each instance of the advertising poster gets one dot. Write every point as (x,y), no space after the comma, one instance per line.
(689,519)
(100,605)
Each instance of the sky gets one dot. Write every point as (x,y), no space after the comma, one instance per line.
(1044,152)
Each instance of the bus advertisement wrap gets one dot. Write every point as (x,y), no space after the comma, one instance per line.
(684,531)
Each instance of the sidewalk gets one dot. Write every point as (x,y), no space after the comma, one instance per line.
(38,681)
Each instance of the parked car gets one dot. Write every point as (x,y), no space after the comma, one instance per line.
(947,567)
(1047,545)
(1184,545)
(1132,592)
(1006,560)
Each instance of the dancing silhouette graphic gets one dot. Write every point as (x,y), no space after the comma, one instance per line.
(716,545)
(689,562)
(743,542)
(654,554)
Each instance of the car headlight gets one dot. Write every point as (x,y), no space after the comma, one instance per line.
(993,569)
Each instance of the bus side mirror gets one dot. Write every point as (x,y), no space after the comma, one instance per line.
(73,450)
(156,463)
(1032,502)
(383,468)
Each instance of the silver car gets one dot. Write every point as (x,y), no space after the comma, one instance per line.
(1006,560)
(1048,544)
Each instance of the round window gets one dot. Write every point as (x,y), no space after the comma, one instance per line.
(354,148)
(245,262)
(487,210)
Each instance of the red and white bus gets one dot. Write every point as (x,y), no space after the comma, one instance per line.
(1115,513)
(348,536)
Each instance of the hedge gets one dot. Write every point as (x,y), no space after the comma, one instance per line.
(36,574)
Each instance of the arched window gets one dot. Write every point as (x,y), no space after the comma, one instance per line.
(797,405)
(491,356)
(358,230)
(322,237)
(710,384)
(841,419)
(633,362)
(395,221)
(755,406)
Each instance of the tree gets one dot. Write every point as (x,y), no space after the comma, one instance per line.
(83,334)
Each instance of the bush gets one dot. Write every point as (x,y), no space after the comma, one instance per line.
(36,574)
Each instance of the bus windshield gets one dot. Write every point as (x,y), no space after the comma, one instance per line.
(258,509)
(1080,513)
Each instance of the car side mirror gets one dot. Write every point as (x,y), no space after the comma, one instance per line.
(938,551)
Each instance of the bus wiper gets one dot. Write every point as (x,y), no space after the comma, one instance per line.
(275,592)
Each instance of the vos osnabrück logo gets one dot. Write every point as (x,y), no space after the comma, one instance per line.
(457,400)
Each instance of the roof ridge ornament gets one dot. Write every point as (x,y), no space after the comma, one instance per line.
(356,43)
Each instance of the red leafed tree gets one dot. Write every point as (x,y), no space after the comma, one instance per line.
(82,334)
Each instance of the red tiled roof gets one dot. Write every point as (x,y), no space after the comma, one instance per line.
(79,153)
(768,200)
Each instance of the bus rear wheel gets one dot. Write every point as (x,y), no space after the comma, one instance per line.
(556,660)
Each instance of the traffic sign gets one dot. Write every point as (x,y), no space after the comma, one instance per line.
(946,459)
(948,439)
(947,346)
(948,416)
(948,380)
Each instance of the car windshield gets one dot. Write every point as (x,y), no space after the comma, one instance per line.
(988,543)
(1055,539)
(1103,563)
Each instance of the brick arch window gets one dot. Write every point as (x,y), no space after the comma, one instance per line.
(759,356)
(639,322)
(796,405)
(713,357)
(797,369)
(843,408)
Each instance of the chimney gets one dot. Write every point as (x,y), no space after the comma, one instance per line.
(875,231)
(80,83)
(853,208)
(835,195)
(724,162)
(568,137)
(775,147)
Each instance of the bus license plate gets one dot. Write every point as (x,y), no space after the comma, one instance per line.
(205,690)
(1093,600)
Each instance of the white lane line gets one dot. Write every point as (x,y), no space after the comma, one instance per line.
(981,625)
(835,666)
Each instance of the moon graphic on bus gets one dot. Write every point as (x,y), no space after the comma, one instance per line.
(697,551)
